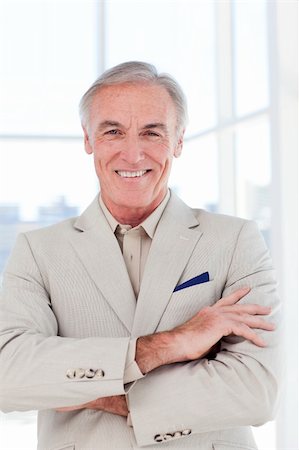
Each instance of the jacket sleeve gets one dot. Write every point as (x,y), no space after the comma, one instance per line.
(237,388)
(38,368)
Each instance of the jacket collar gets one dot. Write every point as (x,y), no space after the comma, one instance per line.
(175,237)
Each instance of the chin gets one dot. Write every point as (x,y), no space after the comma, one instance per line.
(135,201)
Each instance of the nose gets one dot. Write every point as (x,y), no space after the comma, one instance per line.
(132,151)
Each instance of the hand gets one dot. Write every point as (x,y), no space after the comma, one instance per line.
(115,405)
(224,318)
(194,338)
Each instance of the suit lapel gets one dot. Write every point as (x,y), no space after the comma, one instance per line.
(175,237)
(99,251)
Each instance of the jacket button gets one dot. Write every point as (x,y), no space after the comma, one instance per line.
(158,438)
(70,373)
(90,373)
(99,374)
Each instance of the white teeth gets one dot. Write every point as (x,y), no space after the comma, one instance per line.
(126,174)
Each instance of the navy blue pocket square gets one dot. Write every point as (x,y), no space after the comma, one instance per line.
(203,278)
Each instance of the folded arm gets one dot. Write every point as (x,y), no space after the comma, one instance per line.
(240,383)
(194,339)
(191,341)
(239,386)
(182,388)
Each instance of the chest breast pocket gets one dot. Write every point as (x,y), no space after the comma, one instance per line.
(185,303)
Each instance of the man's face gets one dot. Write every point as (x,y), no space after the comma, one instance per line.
(132,135)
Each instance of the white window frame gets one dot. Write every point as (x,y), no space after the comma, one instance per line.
(283,53)
(282,22)
(283,114)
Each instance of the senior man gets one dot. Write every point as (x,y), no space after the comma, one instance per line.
(142,322)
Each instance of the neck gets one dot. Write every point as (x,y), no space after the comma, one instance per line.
(133,217)
(127,215)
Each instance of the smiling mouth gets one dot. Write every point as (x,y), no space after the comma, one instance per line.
(131,174)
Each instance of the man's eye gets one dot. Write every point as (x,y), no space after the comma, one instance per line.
(152,133)
(113,132)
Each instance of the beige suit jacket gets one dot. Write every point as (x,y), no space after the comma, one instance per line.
(67,304)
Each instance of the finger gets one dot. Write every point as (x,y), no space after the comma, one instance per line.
(94,404)
(257,322)
(252,309)
(70,408)
(233,298)
(251,321)
(246,332)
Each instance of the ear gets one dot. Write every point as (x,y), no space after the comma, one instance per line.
(87,146)
(179,146)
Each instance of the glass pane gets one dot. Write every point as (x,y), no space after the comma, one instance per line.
(253,173)
(178,37)
(18,431)
(251,56)
(194,175)
(47,62)
(265,436)
(41,182)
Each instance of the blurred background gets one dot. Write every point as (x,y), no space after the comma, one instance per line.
(237,63)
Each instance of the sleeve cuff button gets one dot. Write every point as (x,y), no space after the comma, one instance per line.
(158,438)
(79,373)
(99,374)
(167,437)
(186,432)
(90,373)
(177,434)
(70,373)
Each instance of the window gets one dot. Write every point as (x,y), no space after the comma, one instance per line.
(222,53)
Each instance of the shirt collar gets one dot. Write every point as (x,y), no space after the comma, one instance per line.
(110,219)
(149,224)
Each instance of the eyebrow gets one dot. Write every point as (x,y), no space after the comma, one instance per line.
(160,125)
(108,123)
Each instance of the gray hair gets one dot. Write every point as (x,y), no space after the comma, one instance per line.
(137,72)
